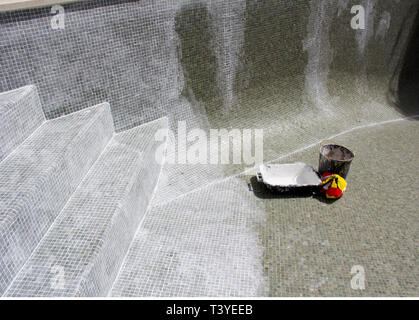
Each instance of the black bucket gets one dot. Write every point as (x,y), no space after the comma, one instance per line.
(335,159)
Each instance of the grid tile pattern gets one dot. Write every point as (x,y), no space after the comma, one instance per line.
(123,52)
(176,178)
(90,237)
(140,55)
(221,64)
(310,244)
(241,64)
(20,114)
(40,176)
(204,244)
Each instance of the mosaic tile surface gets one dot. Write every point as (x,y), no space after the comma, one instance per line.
(212,241)
(311,244)
(295,69)
(203,244)
(90,237)
(40,176)
(20,115)
(270,65)
(140,55)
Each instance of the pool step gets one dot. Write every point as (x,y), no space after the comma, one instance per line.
(203,244)
(20,115)
(84,249)
(40,175)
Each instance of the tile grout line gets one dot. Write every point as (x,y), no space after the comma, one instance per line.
(61,211)
(373,124)
(143,218)
(45,120)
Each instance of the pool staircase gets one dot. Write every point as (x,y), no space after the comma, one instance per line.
(72,194)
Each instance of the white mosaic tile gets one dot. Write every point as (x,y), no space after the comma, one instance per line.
(203,244)
(86,244)
(20,115)
(38,178)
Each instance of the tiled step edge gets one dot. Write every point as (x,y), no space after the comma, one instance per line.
(84,249)
(39,177)
(20,115)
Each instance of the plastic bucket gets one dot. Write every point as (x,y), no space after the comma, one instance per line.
(335,159)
